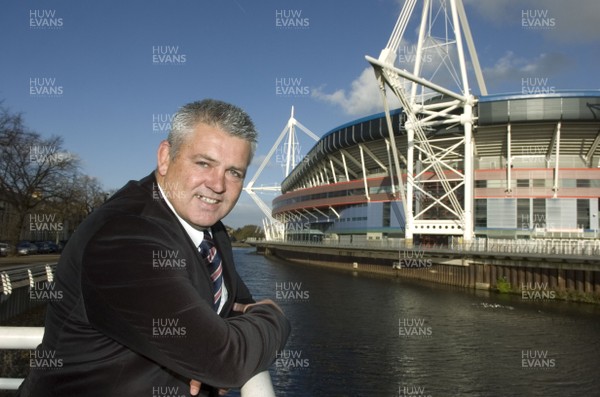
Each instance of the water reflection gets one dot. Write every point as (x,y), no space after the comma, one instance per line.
(457,342)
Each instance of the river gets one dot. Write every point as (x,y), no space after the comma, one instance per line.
(364,335)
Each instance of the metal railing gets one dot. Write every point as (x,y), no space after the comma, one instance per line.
(259,385)
(574,247)
(21,338)
(18,338)
(25,276)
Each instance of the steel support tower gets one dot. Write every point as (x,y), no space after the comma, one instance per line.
(439,121)
(274,229)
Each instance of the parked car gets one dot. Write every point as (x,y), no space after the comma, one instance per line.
(46,247)
(4,249)
(26,248)
(54,248)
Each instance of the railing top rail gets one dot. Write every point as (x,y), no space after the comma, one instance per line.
(20,337)
(17,276)
(23,268)
(586,248)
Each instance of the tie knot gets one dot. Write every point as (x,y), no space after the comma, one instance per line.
(207,237)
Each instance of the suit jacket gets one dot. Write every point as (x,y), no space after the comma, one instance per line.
(135,315)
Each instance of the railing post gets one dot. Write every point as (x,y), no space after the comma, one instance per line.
(6,284)
(31,281)
(49,275)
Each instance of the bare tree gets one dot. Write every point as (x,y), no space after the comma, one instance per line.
(33,170)
(81,195)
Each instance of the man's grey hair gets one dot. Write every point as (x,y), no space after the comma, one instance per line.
(222,115)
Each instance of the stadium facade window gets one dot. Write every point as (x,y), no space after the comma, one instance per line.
(539,213)
(583,183)
(380,189)
(522,182)
(567,183)
(480,212)
(583,213)
(523,219)
(385,221)
(495,183)
(539,183)
(481,184)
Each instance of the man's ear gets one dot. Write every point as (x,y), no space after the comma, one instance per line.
(163,158)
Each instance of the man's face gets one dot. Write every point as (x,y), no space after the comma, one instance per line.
(204,181)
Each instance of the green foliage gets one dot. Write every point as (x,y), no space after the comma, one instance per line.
(503,285)
(245,232)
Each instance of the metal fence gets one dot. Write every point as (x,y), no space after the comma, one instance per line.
(23,276)
(13,280)
(575,247)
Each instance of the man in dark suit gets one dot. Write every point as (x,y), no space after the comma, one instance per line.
(142,312)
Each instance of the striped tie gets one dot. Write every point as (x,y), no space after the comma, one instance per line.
(215,268)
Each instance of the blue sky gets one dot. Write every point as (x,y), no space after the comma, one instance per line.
(106,64)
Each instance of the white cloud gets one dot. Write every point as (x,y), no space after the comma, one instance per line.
(363,96)
(511,68)
(362,99)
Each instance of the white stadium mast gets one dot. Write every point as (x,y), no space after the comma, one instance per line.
(274,229)
(439,121)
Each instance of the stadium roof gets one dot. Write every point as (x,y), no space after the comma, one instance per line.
(533,120)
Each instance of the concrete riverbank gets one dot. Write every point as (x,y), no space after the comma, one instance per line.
(535,276)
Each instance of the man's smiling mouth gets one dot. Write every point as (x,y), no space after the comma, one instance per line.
(206,199)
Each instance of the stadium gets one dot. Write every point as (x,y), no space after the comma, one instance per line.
(536,162)
(445,165)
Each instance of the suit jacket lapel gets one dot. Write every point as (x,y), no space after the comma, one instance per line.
(196,267)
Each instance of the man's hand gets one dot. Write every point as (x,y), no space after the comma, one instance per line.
(240,307)
(195,388)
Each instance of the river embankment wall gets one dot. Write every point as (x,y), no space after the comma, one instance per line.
(533,276)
